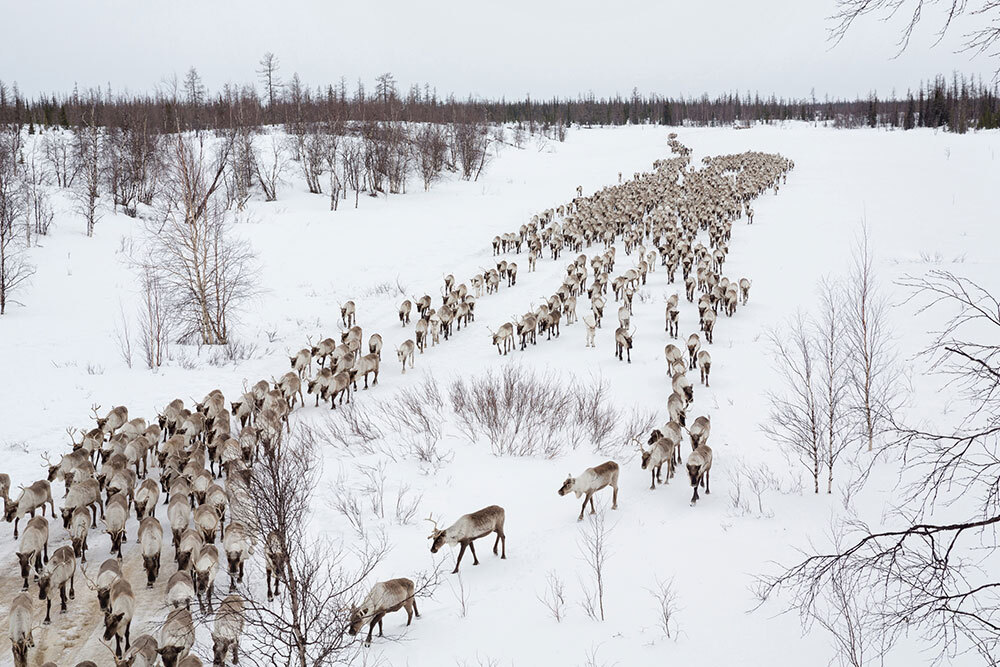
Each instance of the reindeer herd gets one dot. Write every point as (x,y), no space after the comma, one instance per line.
(204,452)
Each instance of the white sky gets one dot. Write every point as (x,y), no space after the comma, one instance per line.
(541,47)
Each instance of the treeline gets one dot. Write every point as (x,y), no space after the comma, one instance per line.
(958,105)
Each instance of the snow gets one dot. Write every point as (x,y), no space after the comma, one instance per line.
(927,197)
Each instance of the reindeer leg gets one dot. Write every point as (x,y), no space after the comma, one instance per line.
(614,501)
(472,548)
(592,510)
(461,552)
(579,518)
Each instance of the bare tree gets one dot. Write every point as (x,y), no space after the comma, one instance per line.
(352,158)
(154,320)
(270,168)
(59,152)
(925,577)
(594,544)
(312,150)
(14,268)
(470,143)
(554,596)
(832,375)
(269,78)
(979,39)
(319,579)
(873,370)
(431,147)
(795,420)
(331,142)
(38,211)
(207,271)
(666,607)
(88,155)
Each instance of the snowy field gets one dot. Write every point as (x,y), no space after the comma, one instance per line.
(929,200)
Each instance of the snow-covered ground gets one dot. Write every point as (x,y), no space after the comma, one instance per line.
(928,199)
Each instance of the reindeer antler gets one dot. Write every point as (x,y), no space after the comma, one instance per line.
(430,517)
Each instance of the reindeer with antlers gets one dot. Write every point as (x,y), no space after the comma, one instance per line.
(468,528)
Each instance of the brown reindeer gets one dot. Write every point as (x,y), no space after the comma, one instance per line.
(468,528)
(590,482)
(385,597)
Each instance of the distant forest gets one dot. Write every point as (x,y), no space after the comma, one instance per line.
(956,105)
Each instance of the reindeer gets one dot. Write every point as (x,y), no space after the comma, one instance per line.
(404,352)
(347,313)
(142,653)
(424,302)
(375,345)
(31,498)
(672,433)
(420,331)
(109,572)
(113,421)
(204,566)
(145,499)
(67,464)
(699,463)
(590,482)
(115,516)
(623,343)
(404,312)
(590,323)
(151,544)
(238,547)
(206,519)
(4,486)
(179,515)
(699,431)
(34,546)
(653,459)
(275,560)
(290,386)
(366,364)
(677,408)
(191,541)
(60,569)
(708,325)
(176,637)
(745,290)
(227,630)
(321,351)
(180,590)
(84,494)
(682,387)
(302,363)
(704,365)
(385,597)
(693,345)
(78,530)
(21,627)
(118,617)
(504,336)
(468,528)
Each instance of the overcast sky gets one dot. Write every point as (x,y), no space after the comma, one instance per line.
(541,47)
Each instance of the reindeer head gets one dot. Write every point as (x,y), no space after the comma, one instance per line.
(654,436)
(9,509)
(25,562)
(53,468)
(358,617)
(170,655)
(567,486)
(44,579)
(437,536)
(220,646)
(111,623)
